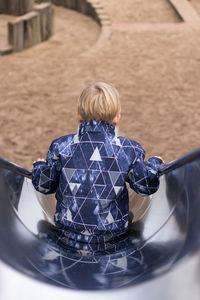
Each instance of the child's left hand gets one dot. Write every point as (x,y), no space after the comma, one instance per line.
(163,162)
(40,159)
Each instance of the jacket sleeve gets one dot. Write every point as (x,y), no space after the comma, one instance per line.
(143,176)
(45,175)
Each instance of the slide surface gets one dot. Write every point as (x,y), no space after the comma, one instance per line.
(165,235)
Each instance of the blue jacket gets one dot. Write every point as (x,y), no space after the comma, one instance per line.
(88,172)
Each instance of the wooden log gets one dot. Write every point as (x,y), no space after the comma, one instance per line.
(96,16)
(31,26)
(46,12)
(83,7)
(16,34)
(3,6)
(58,2)
(16,7)
(91,11)
(71,4)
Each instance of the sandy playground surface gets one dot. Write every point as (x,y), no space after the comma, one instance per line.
(156,68)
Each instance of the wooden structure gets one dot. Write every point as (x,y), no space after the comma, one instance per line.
(29,28)
(37,25)
(46,13)
(16,7)
(91,8)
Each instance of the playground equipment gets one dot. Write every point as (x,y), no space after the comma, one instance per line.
(16,7)
(34,21)
(160,260)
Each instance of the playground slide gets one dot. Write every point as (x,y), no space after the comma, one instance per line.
(160,259)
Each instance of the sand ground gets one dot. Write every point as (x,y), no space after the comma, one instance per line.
(154,62)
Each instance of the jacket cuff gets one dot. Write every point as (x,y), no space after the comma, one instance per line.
(158,160)
(39,163)
(155,160)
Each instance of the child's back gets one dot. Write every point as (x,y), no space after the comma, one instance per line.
(88,172)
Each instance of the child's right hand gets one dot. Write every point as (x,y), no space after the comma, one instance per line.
(40,159)
(163,162)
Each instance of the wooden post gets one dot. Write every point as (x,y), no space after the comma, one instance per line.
(16,7)
(46,12)
(91,11)
(71,4)
(3,6)
(32,34)
(83,7)
(15,34)
(58,2)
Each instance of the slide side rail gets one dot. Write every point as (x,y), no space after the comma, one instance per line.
(188,158)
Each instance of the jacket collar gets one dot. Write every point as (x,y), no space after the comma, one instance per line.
(98,126)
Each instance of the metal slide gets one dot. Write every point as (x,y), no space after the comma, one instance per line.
(159,259)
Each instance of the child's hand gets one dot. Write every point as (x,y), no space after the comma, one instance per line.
(39,159)
(163,162)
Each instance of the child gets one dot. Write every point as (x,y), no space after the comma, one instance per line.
(89,170)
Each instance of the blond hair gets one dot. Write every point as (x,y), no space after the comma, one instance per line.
(99,101)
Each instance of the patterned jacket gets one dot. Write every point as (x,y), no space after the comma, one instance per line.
(88,172)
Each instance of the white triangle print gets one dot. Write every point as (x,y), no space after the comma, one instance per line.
(69,215)
(96,155)
(69,173)
(43,179)
(110,218)
(104,203)
(114,176)
(117,140)
(117,189)
(122,263)
(76,139)
(74,187)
